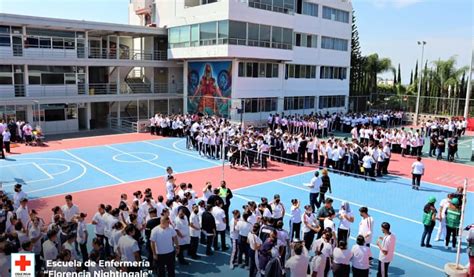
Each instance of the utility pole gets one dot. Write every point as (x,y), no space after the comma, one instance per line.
(420,76)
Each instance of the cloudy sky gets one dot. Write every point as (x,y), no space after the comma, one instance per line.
(390,28)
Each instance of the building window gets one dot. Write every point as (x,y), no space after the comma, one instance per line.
(306,40)
(258,70)
(298,103)
(337,101)
(334,43)
(281,6)
(333,72)
(223,32)
(207,34)
(335,14)
(300,71)
(310,9)
(238,33)
(256,105)
(6,77)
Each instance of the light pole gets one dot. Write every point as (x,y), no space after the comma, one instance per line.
(420,75)
(469,88)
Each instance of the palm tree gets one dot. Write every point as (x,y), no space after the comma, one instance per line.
(449,76)
(373,66)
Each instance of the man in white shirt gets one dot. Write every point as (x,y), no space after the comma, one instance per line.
(219,216)
(443,205)
(299,261)
(366,227)
(181,225)
(69,209)
(170,188)
(50,250)
(127,246)
(386,245)
(194,232)
(99,222)
(417,170)
(22,213)
(18,195)
(163,237)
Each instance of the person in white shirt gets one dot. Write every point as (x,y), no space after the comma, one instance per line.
(244,227)
(278,210)
(366,227)
(23,213)
(367,162)
(360,258)
(82,236)
(70,210)
(163,237)
(310,226)
(346,219)
(70,245)
(323,248)
(170,188)
(386,246)
(417,170)
(443,205)
(181,226)
(254,245)
(314,187)
(219,217)
(194,232)
(299,261)
(99,222)
(328,223)
(127,246)
(341,260)
(234,237)
(295,220)
(18,195)
(50,249)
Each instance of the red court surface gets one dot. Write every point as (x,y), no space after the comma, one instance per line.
(235,178)
(437,172)
(83,142)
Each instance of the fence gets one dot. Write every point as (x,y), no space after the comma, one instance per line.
(442,106)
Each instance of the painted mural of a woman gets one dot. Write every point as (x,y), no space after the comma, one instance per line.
(207,90)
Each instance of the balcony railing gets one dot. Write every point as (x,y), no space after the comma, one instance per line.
(17,91)
(80,53)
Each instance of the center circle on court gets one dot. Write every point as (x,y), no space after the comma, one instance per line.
(135,157)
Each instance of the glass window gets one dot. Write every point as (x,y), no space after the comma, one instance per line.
(184,35)
(207,33)
(310,9)
(54,114)
(70,79)
(268,70)
(264,36)
(297,39)
(287,38)
(304,41)
(69,43)
(297,71)
(309,41)
(45,42)
(223,32)
(277,37)
(34,79)
(261,70)
(32,42)
(241,69)
(255,70)
(252,34)
(5,40)
(52,79)
(4,29)
(249,69)
(238,32)
(275,70)
(194,34)
(173,36)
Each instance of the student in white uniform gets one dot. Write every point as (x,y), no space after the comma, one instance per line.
(181,225)
(299,260)
(360,258)
(127,246)
(346,219)
(443,205)
(417,170)
(386,245)
(366,227)
(341,260)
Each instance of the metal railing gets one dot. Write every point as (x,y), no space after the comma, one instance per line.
(12,91)
(123,124)
(80,53)
(267,7)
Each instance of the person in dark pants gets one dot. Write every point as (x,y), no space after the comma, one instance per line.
(453,218)
(429,221)
(314,186)
(386,245)
(209,227)
(325,186)
(323,213)
(150,224)
(226,195)
(195,232)
(417,170)
(163,237)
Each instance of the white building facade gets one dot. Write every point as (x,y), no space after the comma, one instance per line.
(264,56)
(71,75)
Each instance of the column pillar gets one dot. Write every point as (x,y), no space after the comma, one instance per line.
(185,87)
(88,115)
(118,81)
(86,46)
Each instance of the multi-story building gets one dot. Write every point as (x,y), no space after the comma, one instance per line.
(70,75)
(261,56)
(239,58)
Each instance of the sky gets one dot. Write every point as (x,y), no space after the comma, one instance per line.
(390,28)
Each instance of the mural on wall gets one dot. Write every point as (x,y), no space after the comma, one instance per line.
(209,87)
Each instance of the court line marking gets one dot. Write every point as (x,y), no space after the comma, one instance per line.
(372,245)
(93,166)
(136,157)
(181,152)
(355,204)
(67,168)
(116,157)
(44,171)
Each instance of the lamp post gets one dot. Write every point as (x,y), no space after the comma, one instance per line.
(420,75)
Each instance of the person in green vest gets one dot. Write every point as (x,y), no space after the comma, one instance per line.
(429,221)
(226,194)
(453,218)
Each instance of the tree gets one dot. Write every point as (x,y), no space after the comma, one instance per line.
(356,75)
(399,78)
(395,81)
(374,66)
(411,77)
(449,75)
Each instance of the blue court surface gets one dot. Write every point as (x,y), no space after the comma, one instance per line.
(391,199)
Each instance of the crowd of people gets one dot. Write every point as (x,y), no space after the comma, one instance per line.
(17,132)
(167,229)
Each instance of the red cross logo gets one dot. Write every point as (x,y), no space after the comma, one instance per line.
(23,263)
